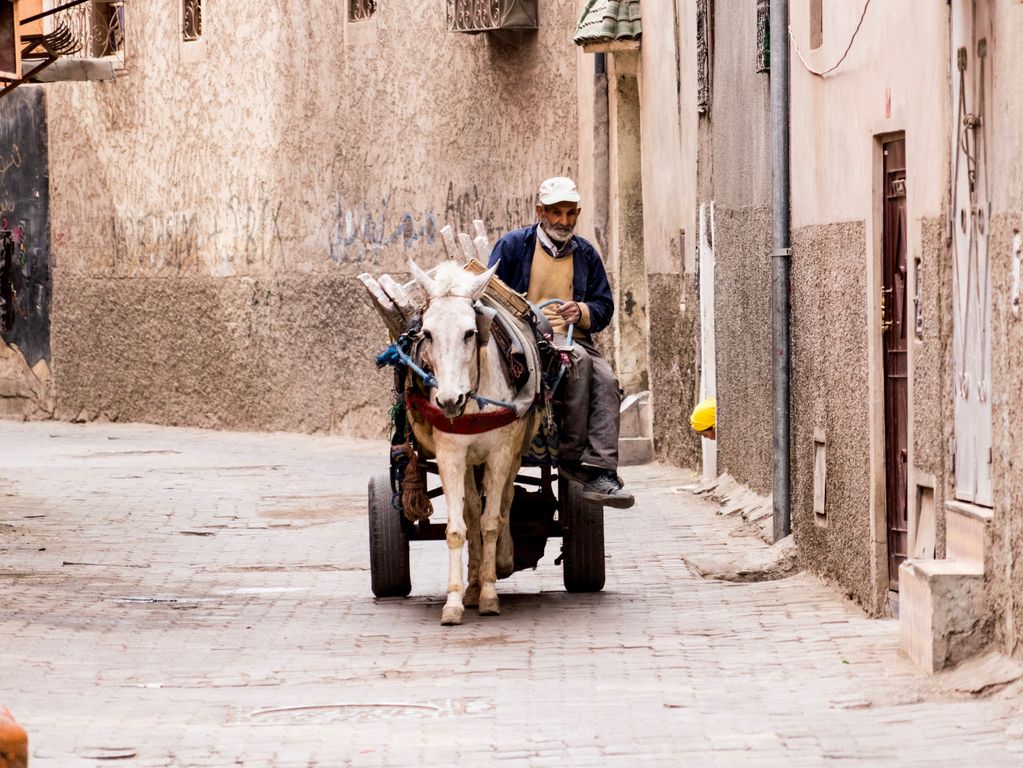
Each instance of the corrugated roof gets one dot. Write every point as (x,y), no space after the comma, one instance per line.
(605,20)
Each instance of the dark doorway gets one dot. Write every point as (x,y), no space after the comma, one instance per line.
(894,342)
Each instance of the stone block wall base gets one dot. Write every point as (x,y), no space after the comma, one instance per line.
(941,612)
(13,742)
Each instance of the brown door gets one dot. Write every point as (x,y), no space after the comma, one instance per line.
(894,340)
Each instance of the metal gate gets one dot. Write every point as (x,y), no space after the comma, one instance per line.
(894,341)
(971,284)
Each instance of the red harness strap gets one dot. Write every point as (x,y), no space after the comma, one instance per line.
(466,424)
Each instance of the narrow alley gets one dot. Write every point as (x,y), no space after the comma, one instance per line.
(183,597)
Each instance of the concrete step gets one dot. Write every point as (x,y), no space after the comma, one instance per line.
(635,450)
(967,534)
(635,416)
(941,610)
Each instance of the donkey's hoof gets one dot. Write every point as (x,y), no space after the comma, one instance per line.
(506,569)
(451,615)
(490,606)
(472,596)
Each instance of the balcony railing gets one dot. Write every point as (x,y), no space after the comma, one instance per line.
(492,15)
(99,25)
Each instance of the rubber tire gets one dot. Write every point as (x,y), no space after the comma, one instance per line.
(388,542)
(582,538)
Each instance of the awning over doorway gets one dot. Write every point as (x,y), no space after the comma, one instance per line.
(605,21)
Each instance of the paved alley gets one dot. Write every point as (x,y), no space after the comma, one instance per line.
(180,597)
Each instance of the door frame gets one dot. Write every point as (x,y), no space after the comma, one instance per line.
(875,366)
(890,408)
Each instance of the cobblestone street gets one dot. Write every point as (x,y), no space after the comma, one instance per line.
(179,597)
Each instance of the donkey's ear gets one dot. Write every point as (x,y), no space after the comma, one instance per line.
(480,283)
(428,283)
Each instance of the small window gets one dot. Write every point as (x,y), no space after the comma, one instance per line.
(361,10)
(191,20)
(107,32)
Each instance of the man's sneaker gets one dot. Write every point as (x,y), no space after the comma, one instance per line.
(605,487)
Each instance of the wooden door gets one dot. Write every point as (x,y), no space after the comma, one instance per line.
(895,345)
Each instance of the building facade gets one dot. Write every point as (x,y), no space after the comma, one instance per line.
(211,204)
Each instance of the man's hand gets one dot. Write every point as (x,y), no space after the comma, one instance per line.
(570,312)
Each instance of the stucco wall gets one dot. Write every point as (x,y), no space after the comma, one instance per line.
(738,164)
(289,154)
(1004,576)
(887,84)
(742,296)
(673,373)
(829,385)
(931,377)
(667,122)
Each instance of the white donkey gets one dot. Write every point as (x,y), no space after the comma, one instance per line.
(466,367)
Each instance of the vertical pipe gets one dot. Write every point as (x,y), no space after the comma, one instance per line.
(780,260)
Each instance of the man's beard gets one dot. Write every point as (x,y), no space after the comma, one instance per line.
(559,234)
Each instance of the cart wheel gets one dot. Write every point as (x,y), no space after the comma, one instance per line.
(388,542)
(582,542)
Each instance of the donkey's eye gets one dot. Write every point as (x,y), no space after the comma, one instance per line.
(427,335)
(470,335)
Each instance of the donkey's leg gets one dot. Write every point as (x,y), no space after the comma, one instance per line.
(495,481)
(473,513)
(505,545)
(452,478)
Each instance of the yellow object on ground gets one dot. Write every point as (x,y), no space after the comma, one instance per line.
(704,415)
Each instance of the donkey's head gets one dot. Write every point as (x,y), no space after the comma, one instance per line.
(451,332)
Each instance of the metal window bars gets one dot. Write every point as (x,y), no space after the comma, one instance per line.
(98,25)
(491,15)
(191,20)
(361,10)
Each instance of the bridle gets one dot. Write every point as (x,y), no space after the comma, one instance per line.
(430,381)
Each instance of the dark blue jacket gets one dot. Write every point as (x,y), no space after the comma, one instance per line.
(589,279)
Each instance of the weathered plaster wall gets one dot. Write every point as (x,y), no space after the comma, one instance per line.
(1005,577)
(887,84)
(674,376)
(931,377)
(668,140)
(737,163)
(288,153)
(829,382)
(742,296)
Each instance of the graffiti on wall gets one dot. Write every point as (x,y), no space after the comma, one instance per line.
(242,236)
(252,231)
(360,230)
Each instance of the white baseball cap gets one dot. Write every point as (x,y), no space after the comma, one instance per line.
(558,190)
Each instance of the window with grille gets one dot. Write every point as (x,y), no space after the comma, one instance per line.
(360,10)
(191,20)
(107,31)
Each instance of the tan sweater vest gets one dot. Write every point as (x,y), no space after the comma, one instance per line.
(551,278)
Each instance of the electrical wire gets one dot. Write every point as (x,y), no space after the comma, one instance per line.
(835,66)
